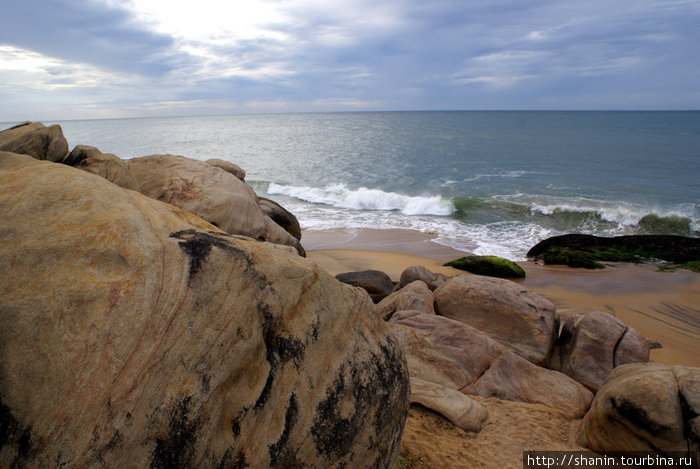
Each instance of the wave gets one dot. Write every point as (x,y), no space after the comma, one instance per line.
(582,214)
(504,225)
(339,195)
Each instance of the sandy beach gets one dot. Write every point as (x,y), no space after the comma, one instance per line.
(661,305)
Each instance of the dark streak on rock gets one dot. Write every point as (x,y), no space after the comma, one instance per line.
(11,434)
(281,455)
(24,447)
(636,415)
(229,461)
(197,245)
(688,415)
(314,330)
(115,442)
(236,423)
(332,434)
(8,425)
(267,389)
(394,380)
(176,449)
(376,386)
(279,349)
(617,345)
(204,384)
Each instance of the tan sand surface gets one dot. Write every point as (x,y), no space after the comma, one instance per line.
(431,441)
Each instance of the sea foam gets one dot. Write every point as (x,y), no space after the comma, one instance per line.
(339,195)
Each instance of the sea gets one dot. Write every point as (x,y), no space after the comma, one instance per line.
(486,182)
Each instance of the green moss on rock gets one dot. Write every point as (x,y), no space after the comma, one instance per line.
(572,258)
(491,266)
(693,266)
(588,251)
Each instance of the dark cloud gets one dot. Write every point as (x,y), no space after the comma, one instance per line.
(86,32)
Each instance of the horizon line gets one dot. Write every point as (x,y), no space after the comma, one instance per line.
(374,111)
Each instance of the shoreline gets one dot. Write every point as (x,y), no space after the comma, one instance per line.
(661,305)
(375,239)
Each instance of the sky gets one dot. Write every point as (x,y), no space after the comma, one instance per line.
(84,59)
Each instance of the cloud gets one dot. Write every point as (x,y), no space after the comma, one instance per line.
(87,32)
(335,103)
(305,55)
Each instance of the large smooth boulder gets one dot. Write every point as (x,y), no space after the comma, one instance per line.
(228,167)
(592,344)
(376,283)
(35,139)
(281,216)
(491,266)
(135,334)
(107,165)
(10,160)
(646,407)
(460,357)
(459,409)
(414,296)
(418,272)
(510,313)
(210,193)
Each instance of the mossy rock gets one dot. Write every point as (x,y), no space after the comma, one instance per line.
(572,258)
(693,266)
(589,251)
(491,266)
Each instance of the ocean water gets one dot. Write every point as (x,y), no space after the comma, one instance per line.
(484,182)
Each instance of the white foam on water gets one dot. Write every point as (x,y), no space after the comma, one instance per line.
(339,195)
(337,206)
(506,239)
(624,214)
(511,240)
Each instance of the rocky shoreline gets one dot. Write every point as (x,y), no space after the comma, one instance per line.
(157,312)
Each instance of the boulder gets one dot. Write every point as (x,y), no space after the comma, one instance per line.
(414,296)
(507,311)
(579,250)
(592,344)
(281,216)
(228,167)
(10,160)
(210,193)
(459,409)
(645,407)
(35,139)
(79,154)
(376,283)
(418,272)
(460,357)
(135,334)
(491,266)
(107,165)
(14,133)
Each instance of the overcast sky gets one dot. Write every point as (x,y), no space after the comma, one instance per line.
(66,59)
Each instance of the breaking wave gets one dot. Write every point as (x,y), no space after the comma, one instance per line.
(339,195)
